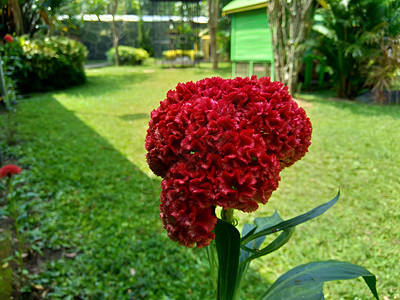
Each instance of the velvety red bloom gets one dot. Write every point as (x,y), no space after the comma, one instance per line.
(221,142)
(8,38)
(9,170)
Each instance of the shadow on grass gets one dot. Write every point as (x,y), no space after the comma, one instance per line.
(107,83)
(102,211)
(133,117)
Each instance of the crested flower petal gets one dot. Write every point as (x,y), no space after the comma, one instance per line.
(221,142)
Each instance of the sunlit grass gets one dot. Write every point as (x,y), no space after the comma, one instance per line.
(96,197)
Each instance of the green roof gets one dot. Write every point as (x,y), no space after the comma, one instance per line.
(243,5)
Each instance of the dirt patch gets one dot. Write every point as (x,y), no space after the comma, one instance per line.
(303,103)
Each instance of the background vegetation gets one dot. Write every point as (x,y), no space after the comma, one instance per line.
(90,204)
(128,55)
(44,64)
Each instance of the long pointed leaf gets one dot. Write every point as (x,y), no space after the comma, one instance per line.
(251,249)
(292,222)
(260,224)
(281,240)
(227,241)
(306,281)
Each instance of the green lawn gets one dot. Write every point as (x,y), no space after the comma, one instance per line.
(89,193)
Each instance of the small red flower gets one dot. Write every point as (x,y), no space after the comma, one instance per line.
(9,170)
(8,38)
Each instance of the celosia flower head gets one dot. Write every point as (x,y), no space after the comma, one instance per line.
(8,38)
(9,170)
(221,142)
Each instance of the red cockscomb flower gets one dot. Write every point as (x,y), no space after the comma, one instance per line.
(8,38)
(221,142)
(9,170)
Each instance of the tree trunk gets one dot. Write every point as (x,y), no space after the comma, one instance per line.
(114,7)
(213,10)
(15,8)
(290,23)
(3,88)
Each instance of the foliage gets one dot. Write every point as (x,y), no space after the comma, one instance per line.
(128,55)
(7,172)
(224,44)
(29,16)
(9,60)
(392,17)
(214,10)
(304,281)
(192,54)
(384,68)
(88,194)
(144,40)
(49,64)
(348,31)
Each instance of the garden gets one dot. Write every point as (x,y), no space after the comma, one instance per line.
(80,209)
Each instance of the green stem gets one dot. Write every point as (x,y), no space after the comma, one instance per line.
(16,225)
(227,215)
(9,130)
(213,260)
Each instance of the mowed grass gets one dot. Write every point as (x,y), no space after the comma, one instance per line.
(89,193)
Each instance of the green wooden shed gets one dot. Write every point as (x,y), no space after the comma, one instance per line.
(251,45)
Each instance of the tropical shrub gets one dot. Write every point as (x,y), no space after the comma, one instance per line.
(10,51)
(383,69)
(346,40)
(50,64)
(128,55)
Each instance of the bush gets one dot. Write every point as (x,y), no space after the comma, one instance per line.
(50,64)
(173,54)
(10,51)
(128,55)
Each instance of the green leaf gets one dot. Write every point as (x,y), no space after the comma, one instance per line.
(306,281)
(227,241)
(281,240)
(292,222)
(250,250)
(254,245)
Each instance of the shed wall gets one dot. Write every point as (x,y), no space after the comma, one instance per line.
(251,36)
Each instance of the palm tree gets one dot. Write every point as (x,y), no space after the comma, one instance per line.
(348,31)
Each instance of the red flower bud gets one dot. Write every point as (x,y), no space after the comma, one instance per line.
(8,38)
(9,170)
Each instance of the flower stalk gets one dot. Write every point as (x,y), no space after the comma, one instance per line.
(227,215)
(15,214)
(8,171)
